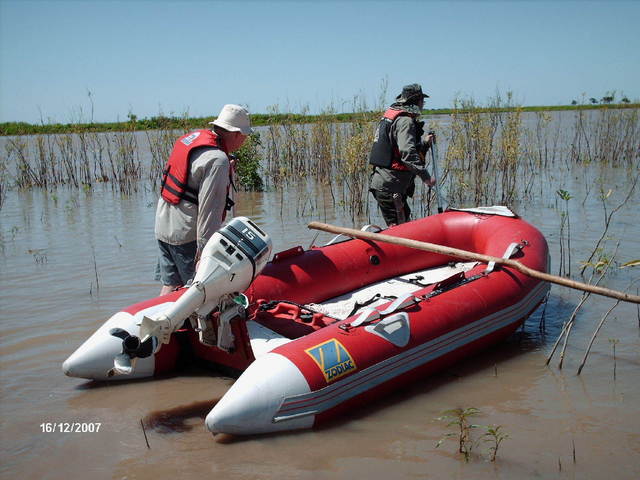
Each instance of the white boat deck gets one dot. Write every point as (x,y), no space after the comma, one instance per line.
(263,340)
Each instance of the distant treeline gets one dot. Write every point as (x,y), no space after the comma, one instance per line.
(257,119)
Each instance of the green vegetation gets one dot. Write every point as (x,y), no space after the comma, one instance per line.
(494,436)
(162,122)
(565,266)
(248,164)
(167,123)
(459,420)
(318,163)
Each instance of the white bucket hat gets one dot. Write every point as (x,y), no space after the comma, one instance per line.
(234,118)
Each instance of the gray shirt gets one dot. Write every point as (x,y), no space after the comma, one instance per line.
(403,131)
(185,222)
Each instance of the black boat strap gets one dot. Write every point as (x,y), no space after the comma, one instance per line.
(450,283)
(358,305)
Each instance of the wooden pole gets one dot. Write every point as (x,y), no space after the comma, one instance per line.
(464,254)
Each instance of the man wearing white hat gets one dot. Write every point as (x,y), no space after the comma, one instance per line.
(194,197)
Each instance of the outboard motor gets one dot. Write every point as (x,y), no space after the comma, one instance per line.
(127,343)
(230,260)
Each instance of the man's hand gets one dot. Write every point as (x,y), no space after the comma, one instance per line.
(429,138)
(233,161)
(427,179)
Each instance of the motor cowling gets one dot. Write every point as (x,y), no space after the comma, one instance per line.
(231,259)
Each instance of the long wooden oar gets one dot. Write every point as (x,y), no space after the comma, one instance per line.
(455,252)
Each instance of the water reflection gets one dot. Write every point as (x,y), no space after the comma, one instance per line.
(179,419)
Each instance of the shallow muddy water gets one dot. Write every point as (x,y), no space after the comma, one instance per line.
(70,259)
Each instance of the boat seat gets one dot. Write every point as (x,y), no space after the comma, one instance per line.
(343,306)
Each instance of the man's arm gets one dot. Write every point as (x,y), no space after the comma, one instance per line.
(405,130)
(212,168)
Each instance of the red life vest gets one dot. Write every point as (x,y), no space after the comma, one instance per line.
(175,176)
(384,152)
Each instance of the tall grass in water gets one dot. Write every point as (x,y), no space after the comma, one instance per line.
(510,155)
(288,149)
(3,181)
(541,148)
(491,155)
(76,160)
(330,155)
(608,136)
(352,167)
(485,159)
(161,141)
(325,136)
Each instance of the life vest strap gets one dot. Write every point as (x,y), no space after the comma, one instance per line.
(183,186)
(182,195)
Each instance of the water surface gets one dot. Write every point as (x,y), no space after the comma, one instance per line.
(69,259)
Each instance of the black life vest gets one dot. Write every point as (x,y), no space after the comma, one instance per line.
(384,152)
(175,176)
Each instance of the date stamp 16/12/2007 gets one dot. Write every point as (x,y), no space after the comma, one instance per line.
(70,427)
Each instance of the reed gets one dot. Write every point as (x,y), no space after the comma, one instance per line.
(16,149)
(3,181)
(331,155)
(593,338)
(609,137)
(491,155)
(144,431)
(509,156)
(160,145)
(485,159)
(283,146)
(95,271)
(565,266)
(325,135)
(76,160)
(459,420)
(568,325)
(607,217)
(614,342)
(353,154)
(494,436)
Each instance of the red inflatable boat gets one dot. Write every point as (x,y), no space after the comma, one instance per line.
(321,330)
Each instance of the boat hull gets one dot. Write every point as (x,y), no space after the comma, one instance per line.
(304,363)
(343,365)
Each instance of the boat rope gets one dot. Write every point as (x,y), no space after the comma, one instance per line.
(358,305)
(417,280)
(450,283)
(441,287)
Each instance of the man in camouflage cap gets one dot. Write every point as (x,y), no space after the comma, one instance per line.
(398,153)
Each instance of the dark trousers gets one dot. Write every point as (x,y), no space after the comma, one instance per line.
(394,207)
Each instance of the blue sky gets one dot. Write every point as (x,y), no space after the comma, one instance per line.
(171,57)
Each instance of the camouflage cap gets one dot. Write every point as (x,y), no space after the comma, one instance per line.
(411,94)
